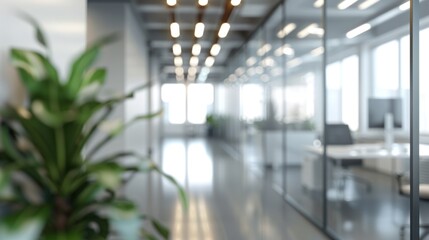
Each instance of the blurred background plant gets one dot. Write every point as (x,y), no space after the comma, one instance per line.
(52,185)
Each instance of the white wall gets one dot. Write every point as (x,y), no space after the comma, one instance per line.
(137,138)
(105,19)
(128,64)
(64,22)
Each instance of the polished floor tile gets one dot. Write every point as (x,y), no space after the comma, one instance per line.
(227,201)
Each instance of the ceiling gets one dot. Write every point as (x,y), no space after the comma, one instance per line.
(156,17)
(245,19)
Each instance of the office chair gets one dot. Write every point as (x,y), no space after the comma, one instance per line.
(405,190)
(340,134)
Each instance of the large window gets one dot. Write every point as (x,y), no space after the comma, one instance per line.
(343,91)
(386,70)
(174,97)
(198,96)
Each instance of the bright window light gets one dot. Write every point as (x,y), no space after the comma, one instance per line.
(199,30)
(346,4)
(175,29)
(196,49)
(199,97)
(214,51)
(224,29)
(174,96)
(177,49)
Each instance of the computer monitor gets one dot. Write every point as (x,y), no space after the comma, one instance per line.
(379,107)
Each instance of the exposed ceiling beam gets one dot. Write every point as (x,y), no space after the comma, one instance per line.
(190,26)
(190,9)
(188,44)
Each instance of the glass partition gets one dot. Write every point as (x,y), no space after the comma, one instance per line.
(423,52)
(366,119)
(302,48)
(328,87)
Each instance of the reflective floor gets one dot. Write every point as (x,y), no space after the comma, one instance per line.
(227,200)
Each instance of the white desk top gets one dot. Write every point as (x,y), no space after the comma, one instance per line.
(368,150)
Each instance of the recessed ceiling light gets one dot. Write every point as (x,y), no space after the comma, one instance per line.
(405,6)
(178,61)
(209,61)
(203,2)
(179,71)
(306,31)
(224,29)
(194,61)
(235,2)
(196,49)
(175,29)
(192,71)
(294,62)
(367,4)
(318,3)
(251,61)
(177,49)
(171,3)
(199,30)
(358,31)
(286,30)
(214,51)
(317,51)
(346,4)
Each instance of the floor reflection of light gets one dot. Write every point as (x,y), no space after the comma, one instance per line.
(200,166)
(195,224)
(174,161)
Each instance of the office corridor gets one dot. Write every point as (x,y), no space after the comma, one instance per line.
(227,201)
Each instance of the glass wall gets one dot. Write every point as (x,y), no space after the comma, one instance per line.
(326,105)
(302,34)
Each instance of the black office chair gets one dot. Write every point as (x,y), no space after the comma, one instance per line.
(340,134)
(405,190)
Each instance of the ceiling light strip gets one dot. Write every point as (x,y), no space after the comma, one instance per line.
(346,4)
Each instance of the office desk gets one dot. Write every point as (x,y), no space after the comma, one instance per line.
(375,156)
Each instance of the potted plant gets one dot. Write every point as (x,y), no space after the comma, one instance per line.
(51,185)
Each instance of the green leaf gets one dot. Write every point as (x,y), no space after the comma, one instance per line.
(25,224)
(108,174)
(9,144)
(82,63)
(88,193)
(182,193)
(147,235)
(40,36)
(161,229)
(125,220)
(108,138)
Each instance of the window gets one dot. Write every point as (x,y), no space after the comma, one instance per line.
(174,97)
(199,97)
(342,85)
(252,100)
(386,70)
